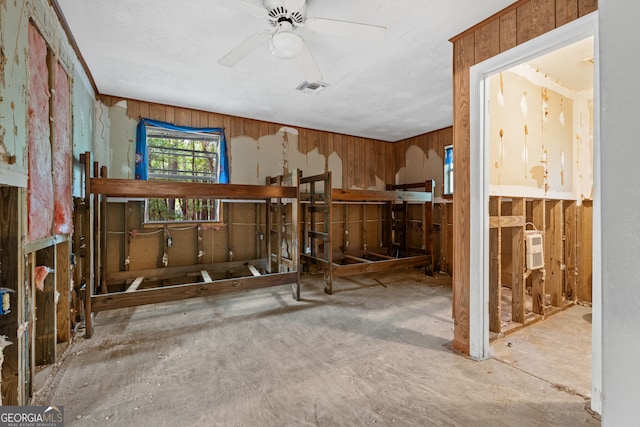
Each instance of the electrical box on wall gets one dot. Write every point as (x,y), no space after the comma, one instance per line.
(535,255)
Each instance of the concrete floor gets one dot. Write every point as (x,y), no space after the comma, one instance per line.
(374,353)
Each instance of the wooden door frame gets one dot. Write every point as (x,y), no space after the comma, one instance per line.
(567,34)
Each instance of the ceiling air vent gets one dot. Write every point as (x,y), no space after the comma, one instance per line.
(314,87)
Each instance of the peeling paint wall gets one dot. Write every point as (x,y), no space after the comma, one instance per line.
(82,104)
(540,143)
(271,155)
(13,96)
(118,137)
(16,16)
(14,90)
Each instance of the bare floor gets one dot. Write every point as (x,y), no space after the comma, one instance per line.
(374,353)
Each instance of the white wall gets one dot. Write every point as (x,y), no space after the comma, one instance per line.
(620,154)
(540,137)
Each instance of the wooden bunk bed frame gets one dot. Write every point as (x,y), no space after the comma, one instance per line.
(317,199)
(277,269)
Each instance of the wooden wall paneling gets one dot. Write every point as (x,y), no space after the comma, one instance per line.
(398,159)
(381,167)
(144,109)
(585,7)
(535,18)
(354,164)
(346,161)
(256,129)
(203,119)
(157,112)
(518,289)
(494,269)
(585,251)
(525,20)
(170,114)
(183,117)
(570,249)
(537,278)
(362,163)
(302,141)
(329,150)
(63,283)
(392,167)
(508,31)
(323,144)
(463,59)
(312,140)
(45,327)
(215,121)
(227,124)
(133,109)
(487,41)
(266,128)
(351,161)
(554,250)
(566,11)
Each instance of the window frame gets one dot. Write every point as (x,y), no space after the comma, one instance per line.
(447,181)
(155,132)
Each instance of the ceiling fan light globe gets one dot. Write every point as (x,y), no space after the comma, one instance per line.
(286,45)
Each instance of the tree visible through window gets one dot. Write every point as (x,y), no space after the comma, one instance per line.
(185,157)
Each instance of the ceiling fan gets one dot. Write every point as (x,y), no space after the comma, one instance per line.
(286,16)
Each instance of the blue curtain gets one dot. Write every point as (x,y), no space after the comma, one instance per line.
(142,154)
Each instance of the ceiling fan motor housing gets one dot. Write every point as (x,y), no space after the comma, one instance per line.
(280,10)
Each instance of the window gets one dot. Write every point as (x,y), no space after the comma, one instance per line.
(448,170)
(185,157)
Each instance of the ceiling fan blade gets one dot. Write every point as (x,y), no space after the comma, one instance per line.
(353,30)
(308,65)
(238,53)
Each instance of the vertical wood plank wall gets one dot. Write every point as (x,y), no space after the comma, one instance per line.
(362,159)
(514,25)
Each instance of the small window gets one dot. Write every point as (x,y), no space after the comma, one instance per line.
(448,170)
(184,157)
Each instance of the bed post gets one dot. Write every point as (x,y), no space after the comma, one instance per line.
(295,235)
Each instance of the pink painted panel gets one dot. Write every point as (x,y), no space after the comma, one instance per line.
(63,211)
(40,185)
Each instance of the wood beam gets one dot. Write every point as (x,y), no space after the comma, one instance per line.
(346,195)
(192,290)
(136,188)
(495,267)
(507,221)
(537,276)
(518,289)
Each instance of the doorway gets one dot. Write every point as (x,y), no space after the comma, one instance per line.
(530,156)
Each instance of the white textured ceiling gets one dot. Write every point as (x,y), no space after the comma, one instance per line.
(166,51)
